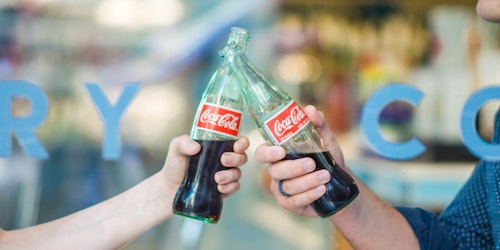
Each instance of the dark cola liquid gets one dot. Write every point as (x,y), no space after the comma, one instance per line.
(340,190)
(198,197)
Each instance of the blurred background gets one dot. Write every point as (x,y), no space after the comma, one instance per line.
(333,54)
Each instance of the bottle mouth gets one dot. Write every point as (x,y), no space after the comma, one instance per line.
(239,30)
(238,37)
(236,43)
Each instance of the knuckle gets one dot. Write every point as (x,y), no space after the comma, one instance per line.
(295,203)
(173,142)
(284,203)
(271,170)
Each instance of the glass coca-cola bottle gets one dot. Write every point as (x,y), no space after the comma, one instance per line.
(215,128)
(281,121)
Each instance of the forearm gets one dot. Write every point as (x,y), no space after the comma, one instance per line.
(107,225)
(370,223)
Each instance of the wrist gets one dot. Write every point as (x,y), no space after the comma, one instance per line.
(348,213)
(165,193)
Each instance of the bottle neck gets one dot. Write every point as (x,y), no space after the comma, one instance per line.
(236,60)
(238,39)
(260,94)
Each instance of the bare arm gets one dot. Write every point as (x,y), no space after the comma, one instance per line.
(121,219)
(368,222)
(107,225)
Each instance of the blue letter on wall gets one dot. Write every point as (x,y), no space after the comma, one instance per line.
(111,115)
(23,127)
(370,122)
(471,137)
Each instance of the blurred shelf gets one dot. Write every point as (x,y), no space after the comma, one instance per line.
(356,3)
(422,184)
(416,7)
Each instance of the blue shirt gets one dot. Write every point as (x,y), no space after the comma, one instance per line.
(472,219)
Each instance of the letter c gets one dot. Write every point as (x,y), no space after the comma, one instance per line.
(370,121)
(471,138)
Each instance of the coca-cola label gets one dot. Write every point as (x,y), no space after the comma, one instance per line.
(219,119)
(286,123)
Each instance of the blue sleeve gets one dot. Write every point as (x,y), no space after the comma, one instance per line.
(430,233)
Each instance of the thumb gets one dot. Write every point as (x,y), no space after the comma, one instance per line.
(175,163)
(317,118)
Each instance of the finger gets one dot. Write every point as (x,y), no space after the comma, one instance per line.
(241,145)
(176,160)
(231,159)
(267,154)
(227,176)
(300,203)
(305,183)
(291,168)
(319,122)
(228,189)
(178,149)
(185,145)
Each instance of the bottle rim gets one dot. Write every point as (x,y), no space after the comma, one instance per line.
(238,38)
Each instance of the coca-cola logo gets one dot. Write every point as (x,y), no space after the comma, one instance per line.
(286,123)
(295,117)
(219,119)
(229,121)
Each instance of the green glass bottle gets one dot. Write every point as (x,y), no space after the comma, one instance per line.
(281,121)
(215,127)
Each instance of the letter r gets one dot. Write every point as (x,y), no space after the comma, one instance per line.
(23,127)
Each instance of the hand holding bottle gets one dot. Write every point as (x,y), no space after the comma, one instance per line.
(301,181)
(227,180)
(281,121)
(215,127)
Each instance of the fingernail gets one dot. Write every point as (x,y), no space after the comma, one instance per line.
(237,146)
(320,189)
(323,176)
(307,165)
(193,146)
(228,158)
(220,177)
(277,153)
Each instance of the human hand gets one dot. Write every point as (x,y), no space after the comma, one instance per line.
(301,181)
(489,10)
(183,146)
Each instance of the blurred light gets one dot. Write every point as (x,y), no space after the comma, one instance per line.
(299,68)
(157,115)
(134,14)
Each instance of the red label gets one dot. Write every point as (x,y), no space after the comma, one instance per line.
(219,119)
(286,123)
